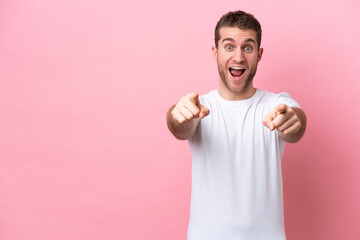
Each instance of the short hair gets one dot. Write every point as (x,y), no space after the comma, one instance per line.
(238,19)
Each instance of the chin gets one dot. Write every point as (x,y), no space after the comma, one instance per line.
(238,87)
(241,88)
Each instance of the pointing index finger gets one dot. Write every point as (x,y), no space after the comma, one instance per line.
(281,108)
(194,97)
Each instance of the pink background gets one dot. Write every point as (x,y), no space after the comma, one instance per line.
(84,149)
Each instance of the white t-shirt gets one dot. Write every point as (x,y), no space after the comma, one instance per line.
(236,170)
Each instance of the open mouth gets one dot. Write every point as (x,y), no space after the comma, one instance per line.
(236,72)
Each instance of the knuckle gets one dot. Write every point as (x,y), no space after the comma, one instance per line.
(181,121)
(276,124)
(174,113)
(179,104)
(190,95)
(189,116)
(182,100)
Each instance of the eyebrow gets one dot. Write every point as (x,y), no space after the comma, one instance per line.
(228,39)
(250,40)
(232,40)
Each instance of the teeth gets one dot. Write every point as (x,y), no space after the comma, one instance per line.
(236,68)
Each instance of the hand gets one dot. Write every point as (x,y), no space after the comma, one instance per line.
(284,119)
(189,108)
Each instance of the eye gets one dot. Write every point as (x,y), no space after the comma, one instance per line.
(248,48)
(228,47)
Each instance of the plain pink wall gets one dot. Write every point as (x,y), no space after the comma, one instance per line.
(85,85)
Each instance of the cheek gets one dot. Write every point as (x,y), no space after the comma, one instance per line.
(253,60)
(222,60)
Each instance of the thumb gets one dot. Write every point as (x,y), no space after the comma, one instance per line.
(268,121)
(204,111)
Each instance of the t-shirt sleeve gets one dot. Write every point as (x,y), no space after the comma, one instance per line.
(285,98)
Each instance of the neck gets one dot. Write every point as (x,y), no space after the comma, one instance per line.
(236,96)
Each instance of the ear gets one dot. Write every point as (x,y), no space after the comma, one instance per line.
(260,53)
(214,50)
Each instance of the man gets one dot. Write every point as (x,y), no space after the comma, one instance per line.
(237,135)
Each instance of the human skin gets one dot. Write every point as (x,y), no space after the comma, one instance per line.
(238,52)
(237,48)
(183,118)
(289,122)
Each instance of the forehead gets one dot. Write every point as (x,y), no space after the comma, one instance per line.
(239,35)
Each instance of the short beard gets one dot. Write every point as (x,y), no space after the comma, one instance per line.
(246,86)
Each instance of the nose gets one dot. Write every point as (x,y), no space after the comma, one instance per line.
(238,55)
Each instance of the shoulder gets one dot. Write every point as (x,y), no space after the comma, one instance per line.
(274,99)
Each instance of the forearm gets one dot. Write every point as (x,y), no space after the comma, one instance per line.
(292,138)
(181,131)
